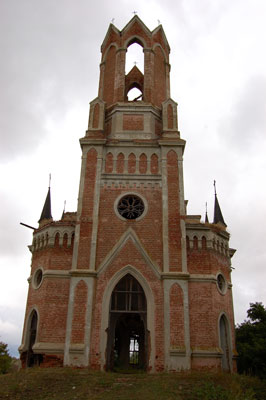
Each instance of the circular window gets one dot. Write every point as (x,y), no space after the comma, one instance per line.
(130,206)
(37,278)
(221,283)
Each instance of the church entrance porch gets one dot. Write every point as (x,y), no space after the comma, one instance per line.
(127,331)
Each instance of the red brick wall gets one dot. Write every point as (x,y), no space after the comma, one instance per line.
(159,77)
(174,230)
(148,229)
(131,163)
(51,301)
(96,112)
(120,163)
(143,164)
(109,163)
(133,122)
(154,164)
(109,76)
(177,334)
(79,313)
(87,210)
(170,116)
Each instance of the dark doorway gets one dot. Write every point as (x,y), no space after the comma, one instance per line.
(32,358)
(127,332)
(224,337)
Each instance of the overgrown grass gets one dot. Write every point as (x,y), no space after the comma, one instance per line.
(82,384)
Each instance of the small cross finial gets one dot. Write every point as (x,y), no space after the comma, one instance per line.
(113,20)
(49,180)
(134,12)
(206,205)
(64,206)
(214,184)
(135,63)
(158,21)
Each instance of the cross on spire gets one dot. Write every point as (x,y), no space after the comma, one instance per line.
(113,20)
(214,184)
(134,12)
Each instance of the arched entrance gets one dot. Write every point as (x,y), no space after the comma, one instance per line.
(31,357)
(127,331)
(225,343)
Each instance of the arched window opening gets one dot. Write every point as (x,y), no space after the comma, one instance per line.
(128,295)
(224,343)
(134,94)
(134,57)
(32,358)
(195,243)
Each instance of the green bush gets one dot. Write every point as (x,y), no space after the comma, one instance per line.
(5,359)
(251,342)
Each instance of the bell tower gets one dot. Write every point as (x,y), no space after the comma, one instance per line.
(139,283)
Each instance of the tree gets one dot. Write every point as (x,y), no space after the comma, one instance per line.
(251,342)
(5,359)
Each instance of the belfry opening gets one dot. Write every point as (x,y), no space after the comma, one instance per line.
(127,337)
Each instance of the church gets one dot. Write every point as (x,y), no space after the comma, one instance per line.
(130,280)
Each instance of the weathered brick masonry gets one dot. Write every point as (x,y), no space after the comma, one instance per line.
(131,280)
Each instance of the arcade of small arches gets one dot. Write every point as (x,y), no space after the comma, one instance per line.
(57,238)
(201,242)
(132,163)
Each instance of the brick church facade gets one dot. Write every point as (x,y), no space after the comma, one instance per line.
(131,280)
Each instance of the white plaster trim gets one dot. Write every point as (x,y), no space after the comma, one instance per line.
(130,234)
(202,278)
(48,348)
(165,211)
(224,290)
(198,353)
(96,202)
(34,284)
(129,269)
(27,321)
(56,273)
(168,283)
(70,309)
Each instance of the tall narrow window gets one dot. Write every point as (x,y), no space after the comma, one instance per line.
(134,56)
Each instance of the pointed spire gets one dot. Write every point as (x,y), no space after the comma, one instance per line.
(206,215)
(218,216)
(46,211)
(63,213)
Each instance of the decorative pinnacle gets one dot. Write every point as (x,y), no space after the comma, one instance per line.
(49,181)
(134,12)
(214,184)
(158,21)
(113,20)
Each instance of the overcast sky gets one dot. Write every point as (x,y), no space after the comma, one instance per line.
(49,71)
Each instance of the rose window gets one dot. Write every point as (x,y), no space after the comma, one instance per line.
(130,207)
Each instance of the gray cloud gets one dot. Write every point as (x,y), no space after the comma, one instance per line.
(247,123)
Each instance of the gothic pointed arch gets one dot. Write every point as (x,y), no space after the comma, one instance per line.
(225,342)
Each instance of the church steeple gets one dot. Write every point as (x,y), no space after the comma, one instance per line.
(46,211)
(218,216)
(206,215)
